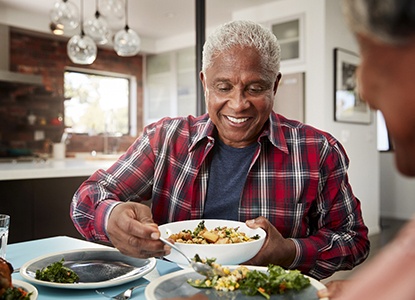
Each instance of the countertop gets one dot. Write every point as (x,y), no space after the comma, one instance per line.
(69,167)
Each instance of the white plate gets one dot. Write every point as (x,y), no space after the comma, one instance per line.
(27,287)
(96,267)
(175,285)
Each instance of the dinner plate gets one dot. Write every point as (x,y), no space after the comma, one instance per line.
(96,268)
(175,285)
(27,287)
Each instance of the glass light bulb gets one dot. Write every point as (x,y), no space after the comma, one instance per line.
(66,14)
(112,8)
(82,50)
(127,42)
(97,28)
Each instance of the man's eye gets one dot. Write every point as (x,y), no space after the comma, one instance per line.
(223,88)
(255,89)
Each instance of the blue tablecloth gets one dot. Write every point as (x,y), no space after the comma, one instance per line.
(20,253)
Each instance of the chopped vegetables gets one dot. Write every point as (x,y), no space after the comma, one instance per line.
(7,290)
(57,272)
(219,235)
(251,282)
(15,293)
(276,281)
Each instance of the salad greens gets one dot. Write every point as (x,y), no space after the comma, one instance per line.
(276,281)
(252,282)
(14,293)
(199,228)
(57,272)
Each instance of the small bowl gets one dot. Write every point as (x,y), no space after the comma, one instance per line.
(225,254)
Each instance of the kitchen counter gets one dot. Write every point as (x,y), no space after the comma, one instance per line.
(69,167)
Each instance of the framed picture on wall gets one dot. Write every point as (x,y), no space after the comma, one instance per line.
(348,106)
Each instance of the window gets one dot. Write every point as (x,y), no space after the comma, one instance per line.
(170,85)
(383,141)
(97,102)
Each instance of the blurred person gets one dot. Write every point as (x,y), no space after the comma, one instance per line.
(385,32)
(240,161)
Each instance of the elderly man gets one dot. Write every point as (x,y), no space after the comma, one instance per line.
(240,161)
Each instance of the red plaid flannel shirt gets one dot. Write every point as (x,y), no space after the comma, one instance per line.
(297,179)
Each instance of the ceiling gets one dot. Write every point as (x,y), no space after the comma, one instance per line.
(151,19)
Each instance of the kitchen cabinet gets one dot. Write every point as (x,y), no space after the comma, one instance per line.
(290,36)
(39,208)
(171,85)
(289,100)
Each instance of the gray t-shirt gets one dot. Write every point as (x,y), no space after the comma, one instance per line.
(227,175)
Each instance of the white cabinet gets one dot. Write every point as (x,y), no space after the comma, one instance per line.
(290,36)
(159,75)
(186,82)
(170,85)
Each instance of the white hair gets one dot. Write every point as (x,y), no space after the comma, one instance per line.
(244,34)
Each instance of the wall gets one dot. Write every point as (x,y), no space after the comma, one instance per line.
(359,140)
(397,191)
(324,29)
(31,53)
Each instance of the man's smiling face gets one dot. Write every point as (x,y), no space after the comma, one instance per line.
(239,95)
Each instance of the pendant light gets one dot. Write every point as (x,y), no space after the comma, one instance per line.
(112,9)
(97,28)
(65,15)
(126,41)
(81,48)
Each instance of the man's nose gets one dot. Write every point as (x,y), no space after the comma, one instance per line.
(238,100)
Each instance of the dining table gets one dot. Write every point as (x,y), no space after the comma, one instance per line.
(20,253)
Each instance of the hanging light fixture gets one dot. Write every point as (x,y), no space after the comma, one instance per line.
(64,15)
(112,8)
(126,41)
(81,48)
(97,28)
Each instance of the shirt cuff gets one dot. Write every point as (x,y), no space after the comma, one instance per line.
(296,260)
(102,214)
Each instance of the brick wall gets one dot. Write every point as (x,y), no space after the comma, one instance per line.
(47,57)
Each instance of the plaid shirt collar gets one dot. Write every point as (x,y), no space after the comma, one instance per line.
(272,131)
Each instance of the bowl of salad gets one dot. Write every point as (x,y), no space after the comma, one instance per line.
(228,242)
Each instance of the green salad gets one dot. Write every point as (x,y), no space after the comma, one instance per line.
(14,293)
(276,281)
(57,272)
(252,282)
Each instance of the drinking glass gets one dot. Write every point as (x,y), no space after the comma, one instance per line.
(4,234)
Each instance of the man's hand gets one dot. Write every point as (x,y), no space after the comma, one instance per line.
(131,230)
(276,249)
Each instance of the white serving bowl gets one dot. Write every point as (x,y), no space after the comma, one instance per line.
(225,254)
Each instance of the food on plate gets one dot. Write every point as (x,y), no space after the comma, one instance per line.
(57,272)
(251,282)
(6,271)
(7,290)
(15,293)
(218,235)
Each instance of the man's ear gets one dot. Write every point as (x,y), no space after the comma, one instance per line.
(276,83)
(202,79)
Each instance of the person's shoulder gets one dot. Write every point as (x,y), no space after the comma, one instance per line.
(186,127)
(177,122)
(303,130)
